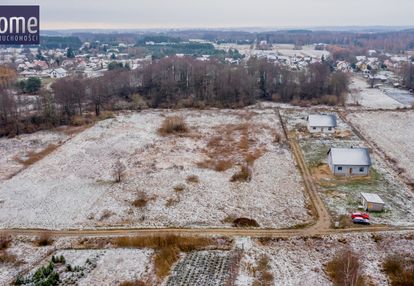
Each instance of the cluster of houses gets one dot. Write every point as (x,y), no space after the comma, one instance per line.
(294,62)
(54,63)
(353,161)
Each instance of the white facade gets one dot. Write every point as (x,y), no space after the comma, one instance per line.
(58,73)
(321,123)
(349,161)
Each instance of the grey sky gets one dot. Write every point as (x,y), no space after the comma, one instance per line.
(74,14)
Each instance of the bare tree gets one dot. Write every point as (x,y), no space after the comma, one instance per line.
(344,269)
(119,171)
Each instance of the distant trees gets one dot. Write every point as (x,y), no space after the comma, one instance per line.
(8,104)
(171,82)
(70,95)
(317,84)
(31,85)
(407,74)
(69,53)
(116,65)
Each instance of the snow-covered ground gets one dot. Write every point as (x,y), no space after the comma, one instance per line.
(17,148)
(27,256)
(306,51)
(299,261)
(74,186)
(393,132)
(110,266)
(370,98)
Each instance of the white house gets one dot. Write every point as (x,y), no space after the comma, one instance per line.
(372,202)
(349,161)
(58,73)
(319,123)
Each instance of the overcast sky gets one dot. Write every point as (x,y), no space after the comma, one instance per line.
(81,14)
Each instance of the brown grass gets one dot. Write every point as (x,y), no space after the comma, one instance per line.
(179,188)
(141,200)
(105,215)
(5,241)
(172,202)
(400,270)
(193,179)
(33,157)
(8,258)
(253,156)
(168,248)
(344,269)
(235,144)
(223,165)
(244,175)
(173,125)
(133,283)
(262,272)
(184,243)
(217,165)
(44,239)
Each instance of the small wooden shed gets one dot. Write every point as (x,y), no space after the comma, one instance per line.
(372,202)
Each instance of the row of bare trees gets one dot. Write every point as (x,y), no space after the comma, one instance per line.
(171,83)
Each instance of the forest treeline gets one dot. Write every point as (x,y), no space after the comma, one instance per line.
(168,83)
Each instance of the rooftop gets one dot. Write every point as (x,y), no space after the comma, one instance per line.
(372,198)
(350,156)
(321,120)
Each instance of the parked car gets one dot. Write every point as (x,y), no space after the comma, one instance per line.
(363,215)
(360,220)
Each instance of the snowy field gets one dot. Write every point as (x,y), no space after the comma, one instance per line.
(392,132)
(74,186)
(109,266)
(299,261)
(370,98)
(401,95)
(99,266)
(306,51)
(11,150)
(27,256)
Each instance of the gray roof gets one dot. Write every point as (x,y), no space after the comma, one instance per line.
(320,120)
(350,156)
(372,198)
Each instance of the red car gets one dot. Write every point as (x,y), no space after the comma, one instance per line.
(363,215)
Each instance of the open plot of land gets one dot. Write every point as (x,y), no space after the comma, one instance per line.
(14,152)
(21,255)
(307,51)
(342,194)
(370,98)
(301,261)
(182,180)
(402,96)
(392,132)
(99,267)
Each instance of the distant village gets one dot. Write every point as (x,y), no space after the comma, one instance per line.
(62,62)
